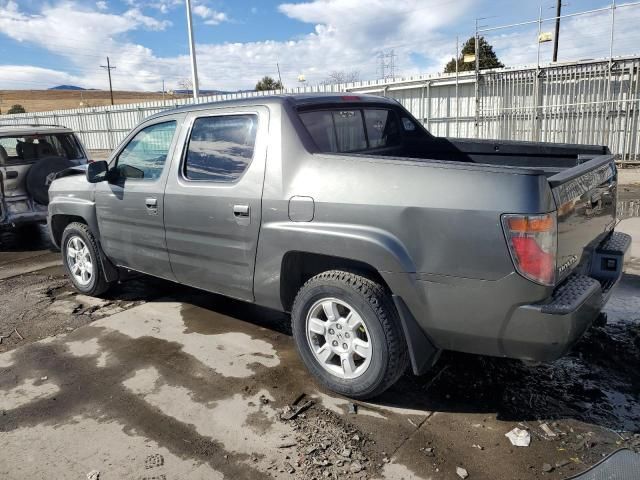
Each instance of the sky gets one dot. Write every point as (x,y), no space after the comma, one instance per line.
(52,42)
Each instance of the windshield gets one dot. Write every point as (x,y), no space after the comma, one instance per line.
(31,148)
(352,129)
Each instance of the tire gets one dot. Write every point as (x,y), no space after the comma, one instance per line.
(364,377)
(40,175)
(77,237)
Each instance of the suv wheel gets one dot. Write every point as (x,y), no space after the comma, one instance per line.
(81,260)
(348,334)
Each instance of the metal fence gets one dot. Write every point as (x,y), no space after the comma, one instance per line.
(588,102)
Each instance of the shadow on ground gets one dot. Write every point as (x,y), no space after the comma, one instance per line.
(26,238)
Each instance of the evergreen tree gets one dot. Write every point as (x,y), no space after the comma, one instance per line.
(488,58)
(268,83)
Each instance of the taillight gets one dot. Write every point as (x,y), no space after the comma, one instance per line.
(533,242)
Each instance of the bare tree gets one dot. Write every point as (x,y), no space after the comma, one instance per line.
(341,76)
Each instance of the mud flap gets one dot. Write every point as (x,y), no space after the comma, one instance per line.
(422,352)
(111,272)
(622,464)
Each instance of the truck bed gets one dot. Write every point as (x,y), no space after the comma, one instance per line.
(552,158)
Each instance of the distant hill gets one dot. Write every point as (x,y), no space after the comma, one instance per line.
(67,87)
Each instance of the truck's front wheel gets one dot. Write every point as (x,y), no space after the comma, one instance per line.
(81,259)
(348,334)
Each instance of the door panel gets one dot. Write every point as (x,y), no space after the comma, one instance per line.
(213,204)
(131,208)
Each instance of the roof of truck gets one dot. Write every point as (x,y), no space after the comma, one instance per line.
(13,130)
(294,99)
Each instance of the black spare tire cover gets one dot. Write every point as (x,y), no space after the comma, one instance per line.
(41,175)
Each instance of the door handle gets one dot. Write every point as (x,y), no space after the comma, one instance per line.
(241,210)
(152,205)
(11,174)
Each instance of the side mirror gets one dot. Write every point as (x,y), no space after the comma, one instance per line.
(97,171)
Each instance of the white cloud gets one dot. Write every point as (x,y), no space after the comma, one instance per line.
(581,37)
(27,77)
(138,18)
(209,15)
(345,36)
(102,5)
(163,6)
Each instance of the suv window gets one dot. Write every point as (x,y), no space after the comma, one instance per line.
(352,130)
(220,148)
(31,148)
(145,155)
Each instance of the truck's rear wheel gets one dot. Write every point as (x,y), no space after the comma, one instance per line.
(348,334)
(81,260)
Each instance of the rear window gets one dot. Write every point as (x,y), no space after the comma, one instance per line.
(352,130)
(31,148)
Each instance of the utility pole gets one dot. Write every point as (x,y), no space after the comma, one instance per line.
(279,77)
(557,32)
(477,84)
(192,49)
(109,68)
(457,98)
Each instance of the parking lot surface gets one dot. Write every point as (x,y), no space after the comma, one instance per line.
(158,381)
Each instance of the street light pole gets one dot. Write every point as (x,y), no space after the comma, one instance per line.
(557,32)
(192,49)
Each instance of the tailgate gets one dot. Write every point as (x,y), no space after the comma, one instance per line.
(585,197)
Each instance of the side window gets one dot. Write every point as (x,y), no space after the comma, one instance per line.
(145,155)
(353,130)
(320,127)
(382,128)
(349,130)
(220,148)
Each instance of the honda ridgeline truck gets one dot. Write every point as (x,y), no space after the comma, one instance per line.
(387,244)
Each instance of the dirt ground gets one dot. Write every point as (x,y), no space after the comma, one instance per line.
(46,100)
(158,381)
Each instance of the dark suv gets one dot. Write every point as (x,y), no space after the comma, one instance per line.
(30,158)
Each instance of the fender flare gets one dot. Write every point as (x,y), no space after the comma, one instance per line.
(375,247)
(84,209)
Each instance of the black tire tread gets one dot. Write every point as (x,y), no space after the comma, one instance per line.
(380,301)
(101,285)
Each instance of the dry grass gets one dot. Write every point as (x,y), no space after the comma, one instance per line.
(46,100)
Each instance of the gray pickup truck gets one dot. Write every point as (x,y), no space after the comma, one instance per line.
(387,245)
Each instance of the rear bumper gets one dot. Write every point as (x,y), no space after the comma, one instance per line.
(546,330)
(21,210)
(509,317)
